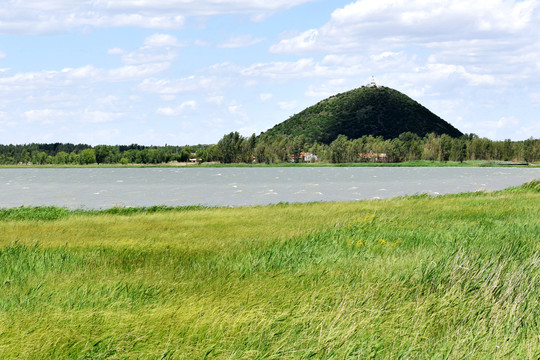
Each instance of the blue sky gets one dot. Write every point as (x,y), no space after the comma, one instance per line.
(189,71)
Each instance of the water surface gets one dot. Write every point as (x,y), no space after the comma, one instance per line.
(95,188)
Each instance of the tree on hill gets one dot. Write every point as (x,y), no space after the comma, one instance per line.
(376,111)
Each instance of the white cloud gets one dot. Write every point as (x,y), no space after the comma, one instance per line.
(526,132)
(446,44)
(98,117)
(371,25)
(385,55)
(303,42)
(238,111)
(176,86)
(535,97)
(240,42)
(38,85)
(161,40)
(108,100)
(134,72)
(167,97)
(49,16)
(45,116)
(6,121)
(55,116)
(81,73)
(138,20)
(156,48)
(504,128)
(504,122)
(215,99)
(116,51)
(266,96)
(199,7)
(146,56)
(180,109)
(38,22)
(445,71)
(2,55)
(278,70)
(287,105)
(324,90)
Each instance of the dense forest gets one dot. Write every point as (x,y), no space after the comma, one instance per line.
(234,148)
(369,110)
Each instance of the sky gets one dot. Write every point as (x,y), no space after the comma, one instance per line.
(186,72)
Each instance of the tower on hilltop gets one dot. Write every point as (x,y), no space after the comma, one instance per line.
(372,82)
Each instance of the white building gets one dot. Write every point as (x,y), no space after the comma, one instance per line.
(372,83)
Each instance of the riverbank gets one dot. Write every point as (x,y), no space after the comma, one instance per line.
(415,163)
(452,276)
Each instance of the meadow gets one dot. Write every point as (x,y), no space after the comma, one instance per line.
(417,277)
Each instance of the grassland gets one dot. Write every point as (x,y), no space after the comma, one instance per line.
(449,277)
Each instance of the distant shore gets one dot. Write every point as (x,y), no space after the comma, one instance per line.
(414,163)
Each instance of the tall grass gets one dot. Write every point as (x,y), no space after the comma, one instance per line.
(54,213)
(448,277)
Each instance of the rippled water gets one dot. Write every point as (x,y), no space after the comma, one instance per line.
(94,188)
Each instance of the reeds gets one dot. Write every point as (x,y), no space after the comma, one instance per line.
(448,277)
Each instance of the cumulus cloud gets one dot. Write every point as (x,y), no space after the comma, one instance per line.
(239,113)
(215,99)
(423,47)
(187,84)
(373,24)
(49,16)
(482,42)
(55,116)
(535,97)
(161,40)
(503,128)
(45,116)
(35,85)
(266,96)
(503,122)
(35,21)
(98,117)
(287,105)
(156,48)
(180,109)
(280,69)
(240,42)
(199,7)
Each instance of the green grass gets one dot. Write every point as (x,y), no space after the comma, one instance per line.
(448,277)
(55,213)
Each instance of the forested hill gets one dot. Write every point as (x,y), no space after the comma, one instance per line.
(376,111)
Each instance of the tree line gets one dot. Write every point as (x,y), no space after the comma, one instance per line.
(235,148)
(82,154)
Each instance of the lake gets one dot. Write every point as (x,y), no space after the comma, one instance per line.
(97,188)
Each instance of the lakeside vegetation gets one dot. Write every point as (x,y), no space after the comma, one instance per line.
(413,163)
(233,148)
(418,277)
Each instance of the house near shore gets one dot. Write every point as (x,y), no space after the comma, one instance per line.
(309,157)
(373,156)
(304,156)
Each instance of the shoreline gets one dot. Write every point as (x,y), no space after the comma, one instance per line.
(414,163)
(54,212)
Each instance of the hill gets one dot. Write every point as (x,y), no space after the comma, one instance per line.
(369,110)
